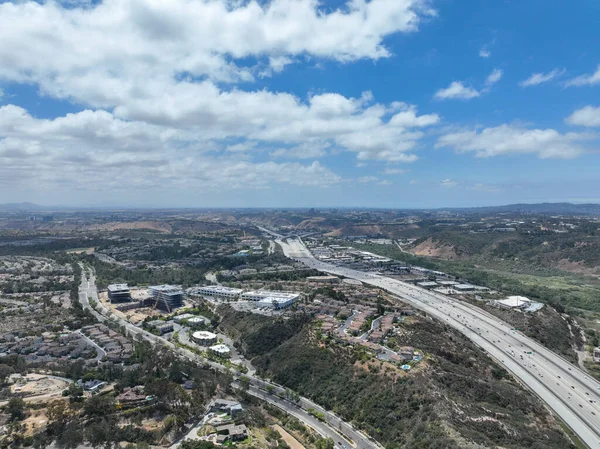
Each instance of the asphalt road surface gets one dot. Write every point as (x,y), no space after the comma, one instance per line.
(569,391)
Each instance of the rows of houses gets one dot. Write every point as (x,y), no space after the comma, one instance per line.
(117,347)
(48,347)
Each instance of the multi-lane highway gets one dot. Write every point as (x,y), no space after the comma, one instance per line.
(332,427)
(566,389)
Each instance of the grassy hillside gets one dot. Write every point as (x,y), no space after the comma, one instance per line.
(515,277)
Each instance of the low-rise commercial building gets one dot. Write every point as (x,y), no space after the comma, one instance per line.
(183,317)
(271,299)
(163,327)
(218,291)
(204,338)
(119,293)
(427,284)
(220,350)
(197,321)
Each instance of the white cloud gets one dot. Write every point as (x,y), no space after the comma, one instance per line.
(242,147)
(586,80)
(485,53)
(587,116)
(278,63)
(448,183)
(49,43)
(385,182)
(165,71)
(509,139)
(367,179)
(539,78)
(493,77)
(457,90)
(303,151)
(394,171)
(72,150)
(164,64)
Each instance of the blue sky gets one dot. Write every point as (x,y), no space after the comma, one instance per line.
(383,103)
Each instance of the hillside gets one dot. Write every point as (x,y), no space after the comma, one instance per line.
(456,398)
(575,253)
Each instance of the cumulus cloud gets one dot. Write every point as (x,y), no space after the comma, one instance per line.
(457,90)
(484,53)
(160,83)
(585,80)
(183,50)
(587,116)
(48,42)
(509,139)
(75,148)
(539,78)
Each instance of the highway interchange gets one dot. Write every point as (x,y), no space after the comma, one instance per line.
(570,392)
(344,434)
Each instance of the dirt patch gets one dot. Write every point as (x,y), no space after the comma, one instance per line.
(135,225)
(578,268)
(36,421)
(292,442)
(36,385)
(431,249)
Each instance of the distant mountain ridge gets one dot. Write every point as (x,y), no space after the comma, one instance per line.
(537,208)
(22,207)
(527,208)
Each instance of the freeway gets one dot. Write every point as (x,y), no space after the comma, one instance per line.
(566,389)
(333,425)
(325,429)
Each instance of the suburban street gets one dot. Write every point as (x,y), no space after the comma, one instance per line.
(333,425)
(565,388)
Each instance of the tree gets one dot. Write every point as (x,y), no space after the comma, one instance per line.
(325,443)
(75,392)
(16,409)
(5,371)
(196,444)
(99,405)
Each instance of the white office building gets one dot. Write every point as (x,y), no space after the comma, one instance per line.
(274,300)
(219,291)
(220,350)
(204,338)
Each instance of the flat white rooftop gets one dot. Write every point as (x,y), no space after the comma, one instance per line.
(221,289)
(221,349)
(263,294)
(204,335)
(427,284)
(514,301)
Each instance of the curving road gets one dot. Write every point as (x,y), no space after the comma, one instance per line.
(566,389)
